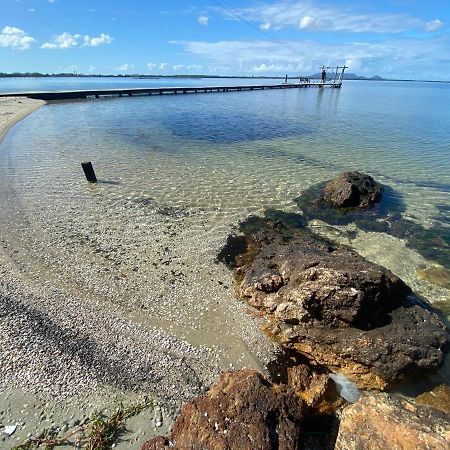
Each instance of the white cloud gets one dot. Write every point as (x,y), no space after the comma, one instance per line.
(315,15)
(158,66)
(71,69)
(15,38)
(31,10)
(433,25)
(203,20)
(308,22)
(64,40)
(103,39)
(67,40)
(399,58)
(187,68)
(124,67)
(176,68)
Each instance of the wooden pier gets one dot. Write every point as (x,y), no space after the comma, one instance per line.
(97,93)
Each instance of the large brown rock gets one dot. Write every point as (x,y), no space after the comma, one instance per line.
(242,411)
(337,308)
(386,422)
(352,190)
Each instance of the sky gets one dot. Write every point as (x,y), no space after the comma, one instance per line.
(407,39)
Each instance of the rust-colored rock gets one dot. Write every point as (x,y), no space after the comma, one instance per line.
(438,398)
(381,422)
(338,309)
(316,389)
(352,190)
(242,411)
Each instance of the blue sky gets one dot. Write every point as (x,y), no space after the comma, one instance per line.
(397,38)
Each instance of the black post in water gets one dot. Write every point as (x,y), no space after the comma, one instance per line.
(89,172)
(285,79)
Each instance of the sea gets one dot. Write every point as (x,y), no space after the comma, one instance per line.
(222,157)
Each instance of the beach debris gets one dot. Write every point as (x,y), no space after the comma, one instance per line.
(158,417)
(9,429)
(347,390)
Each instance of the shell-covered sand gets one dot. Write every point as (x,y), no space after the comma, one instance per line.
(67,351)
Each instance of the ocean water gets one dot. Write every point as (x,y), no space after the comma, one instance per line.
(205,162)
(30,84)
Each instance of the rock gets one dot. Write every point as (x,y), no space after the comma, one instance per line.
(157,443)
(352,190)
(385,422)
(241,411)
(385,216)
(438,398)
(316,389)
(337,308)
(438,275)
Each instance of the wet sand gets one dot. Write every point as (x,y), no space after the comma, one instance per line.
(14,109)
(88,321)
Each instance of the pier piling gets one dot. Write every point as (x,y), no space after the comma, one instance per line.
(89,171)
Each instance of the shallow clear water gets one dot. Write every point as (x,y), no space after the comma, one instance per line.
(208,161)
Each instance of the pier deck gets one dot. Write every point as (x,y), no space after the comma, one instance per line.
(97,93)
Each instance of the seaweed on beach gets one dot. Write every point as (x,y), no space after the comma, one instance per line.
(98,433)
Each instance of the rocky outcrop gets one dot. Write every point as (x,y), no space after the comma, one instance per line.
(438,398)
(386,422)
(352,190)
(242,411)
(327,202)
(337,308)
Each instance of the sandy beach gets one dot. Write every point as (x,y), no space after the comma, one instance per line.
(14,109)
(79,336)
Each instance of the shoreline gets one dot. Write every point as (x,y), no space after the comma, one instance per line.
(15,109)
(63,348)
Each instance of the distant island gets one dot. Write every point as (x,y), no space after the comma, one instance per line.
(315,76)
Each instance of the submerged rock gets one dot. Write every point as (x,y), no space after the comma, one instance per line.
(336,308)
(242,411)
(438,275)
(352,190)
(385,215)
(384,422)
